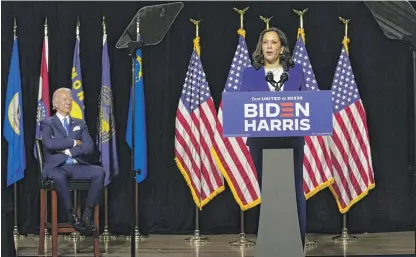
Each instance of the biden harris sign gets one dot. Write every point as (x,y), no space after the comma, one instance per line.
(277,114)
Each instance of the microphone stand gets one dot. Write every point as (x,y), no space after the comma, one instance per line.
(283,79)
(157,19)
(277,87)
(274,83)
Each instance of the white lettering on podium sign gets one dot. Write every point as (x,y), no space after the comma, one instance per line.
(282,116)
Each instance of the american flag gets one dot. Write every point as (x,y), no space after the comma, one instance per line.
(349,144)
(317,173)
(194,135)
(231,154)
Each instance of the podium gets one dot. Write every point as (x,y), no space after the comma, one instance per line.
(274,123)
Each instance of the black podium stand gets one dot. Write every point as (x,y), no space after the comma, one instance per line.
(278,234)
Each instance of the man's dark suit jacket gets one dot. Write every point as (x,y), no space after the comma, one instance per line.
(55,140)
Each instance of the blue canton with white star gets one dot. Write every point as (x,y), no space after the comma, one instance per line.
(344,88)
(240,61)
(300,56)
(195,89)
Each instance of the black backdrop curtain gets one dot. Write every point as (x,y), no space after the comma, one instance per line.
(382,69)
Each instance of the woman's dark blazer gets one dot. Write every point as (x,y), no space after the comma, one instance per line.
(255,80)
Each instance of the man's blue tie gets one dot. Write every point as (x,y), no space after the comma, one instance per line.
(66,126)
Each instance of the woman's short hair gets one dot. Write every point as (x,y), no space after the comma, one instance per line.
(285,58)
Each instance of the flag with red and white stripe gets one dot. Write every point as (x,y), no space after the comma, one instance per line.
(43,105)
(349,144)
(317,172)
(196,121)
(231,153)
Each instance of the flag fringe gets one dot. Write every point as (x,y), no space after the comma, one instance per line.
(319,188)
(233,190)
(197,201)
(354,201)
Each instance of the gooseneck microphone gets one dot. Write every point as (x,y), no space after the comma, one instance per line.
(270,78)
(283,78)
(277,85)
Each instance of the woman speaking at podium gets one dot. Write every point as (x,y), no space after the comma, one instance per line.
(274,70)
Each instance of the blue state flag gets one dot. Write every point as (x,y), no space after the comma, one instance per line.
(13,122)
(77,88)
(106,122)
(140,145)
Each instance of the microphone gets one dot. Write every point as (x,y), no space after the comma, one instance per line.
(270,79)
(283,78)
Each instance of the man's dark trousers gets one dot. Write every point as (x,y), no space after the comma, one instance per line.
(61,174)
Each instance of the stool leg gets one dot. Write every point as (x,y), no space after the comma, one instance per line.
(97,231)
(47,235)
(54,224)
(41,246)
(74,235)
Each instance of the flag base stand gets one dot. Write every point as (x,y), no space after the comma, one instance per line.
(137,235)
(74,236)
(16,233)
(345,237)
(47,234)
(311,244)
(197,238)
(106,235)
(242,241)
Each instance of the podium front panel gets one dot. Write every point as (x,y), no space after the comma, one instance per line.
(277,114)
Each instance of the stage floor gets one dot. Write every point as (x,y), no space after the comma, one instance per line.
(176,246)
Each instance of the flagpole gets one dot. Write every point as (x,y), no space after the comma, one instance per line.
(106,235)
(308,243)
(242,240)
(345,237)
(197,238)
(45,32)
(74,235)
(16,233)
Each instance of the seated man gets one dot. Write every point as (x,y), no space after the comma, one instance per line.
(66,141)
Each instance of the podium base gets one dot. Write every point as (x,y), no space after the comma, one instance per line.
(278,211)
